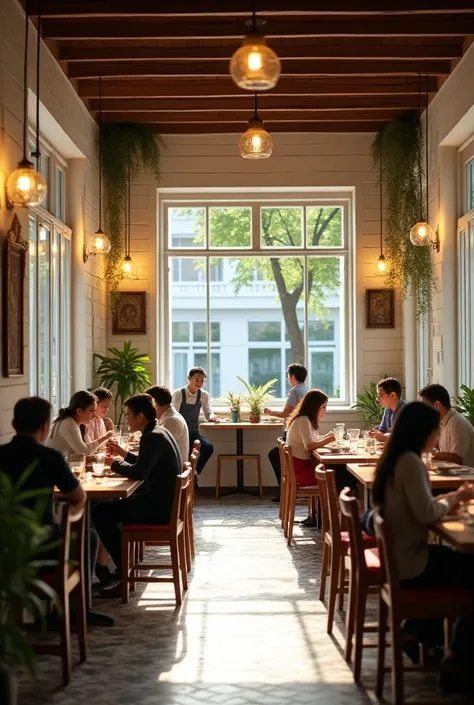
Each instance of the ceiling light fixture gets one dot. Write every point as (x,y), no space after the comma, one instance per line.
(256,142)
(381,267)
(25,186)
(254,66)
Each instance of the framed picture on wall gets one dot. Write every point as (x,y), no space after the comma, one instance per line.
(380,308)
(129,313)
(14,264)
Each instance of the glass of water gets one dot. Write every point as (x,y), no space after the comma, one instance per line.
(370,445)
(98,470)
(339,432)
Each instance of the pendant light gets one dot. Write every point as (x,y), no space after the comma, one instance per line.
(99,244)
(254,66)
(256,142)
(381,267)
(25,186)
(129,271)
(421,233)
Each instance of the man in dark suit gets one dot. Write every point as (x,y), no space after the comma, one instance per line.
(157,465)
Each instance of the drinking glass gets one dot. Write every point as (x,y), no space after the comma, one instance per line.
(370,446)
(117,436)
(427,458)
(77,467)
(339,432)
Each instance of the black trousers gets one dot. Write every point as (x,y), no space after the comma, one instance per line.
(108,516)
(53,554)
(207,449)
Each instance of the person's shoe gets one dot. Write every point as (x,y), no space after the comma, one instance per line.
(114,590)
(276,499)
(309,521)
(103,574)
(196,484)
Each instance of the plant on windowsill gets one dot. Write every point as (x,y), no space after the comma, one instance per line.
(124,373)
(257,397)
(369,407)
(234,402)
(23,538)
(465,403)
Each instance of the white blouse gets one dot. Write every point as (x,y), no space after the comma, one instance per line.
(300,434)
(66,437)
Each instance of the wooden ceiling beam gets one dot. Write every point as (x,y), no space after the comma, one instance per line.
(313,67)
(237,128)
(384,51)
(178,89)
(212,8)
(268,116)
(449,25)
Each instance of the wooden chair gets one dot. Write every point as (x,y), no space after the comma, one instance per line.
(309,493)
(171,535)
(397,604)
(364,578)
(189,528)
(284,484)
(69,578)
(245,456)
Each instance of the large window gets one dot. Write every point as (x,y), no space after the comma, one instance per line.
(466,301)
(256,285)
(470,185)
(50,291)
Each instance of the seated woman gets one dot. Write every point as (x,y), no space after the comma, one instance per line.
(402,492)
(69,432)
(101,423)
(302,434)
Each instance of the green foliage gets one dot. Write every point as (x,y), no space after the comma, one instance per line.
(123,372)
(234,401)
(257,396)
(465,403)
(400,144)
(124,146)
(23,538)
(368,406)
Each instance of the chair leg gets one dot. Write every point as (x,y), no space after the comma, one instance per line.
(81,620)
(361,601)
(397,662)
(183,566)
(142,551)
(324,570)
(176,570)
(291,519)
(259,476)
(282,494)
(191,534)
(134,561)
(218,476)
(333,581)
(381,646)
(65,640)
(350,616)
(125,551)
(187,539)
(342,576)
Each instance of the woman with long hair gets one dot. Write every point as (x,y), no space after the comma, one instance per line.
(402,492)
(303,437)
(69,432)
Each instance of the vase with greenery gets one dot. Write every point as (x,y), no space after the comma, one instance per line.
(465,403)
(368,406)
(257,397)
(127,148)
(398,147)
(124,372)
(23,538)
(234,401)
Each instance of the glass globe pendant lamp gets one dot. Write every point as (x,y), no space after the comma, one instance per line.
(128,268)
(99,244)
(255,66)
(381,265)
(421,234)
(256,142)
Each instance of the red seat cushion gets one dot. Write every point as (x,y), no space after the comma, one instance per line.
(48,579)
(146,527)
(436,596)
(365,538)
(372,560)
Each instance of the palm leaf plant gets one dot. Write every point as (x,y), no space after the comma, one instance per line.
(465,403)
(257,396)
(368,406)
(125,373)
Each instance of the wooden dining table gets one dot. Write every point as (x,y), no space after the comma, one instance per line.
(457,531)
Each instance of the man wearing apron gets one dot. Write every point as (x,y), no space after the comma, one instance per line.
(189,401)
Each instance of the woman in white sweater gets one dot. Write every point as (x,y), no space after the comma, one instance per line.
(69,430)
(402,491)
(303,437)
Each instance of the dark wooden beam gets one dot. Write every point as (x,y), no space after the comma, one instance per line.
(449,25)
(361,50)
(220,118)
(177,89)
(312,67)
(237,128)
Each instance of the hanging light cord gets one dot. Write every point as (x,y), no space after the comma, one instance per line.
(100,153)
(25,87)
(426,144)
(128,216)
(38,48)
(255,100)
(381,198)
(420,165)
(254,16)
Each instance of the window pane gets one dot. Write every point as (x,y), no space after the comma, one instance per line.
(59,193)
(44,170)
(322,372)
(321,330)
(187,227)
(324,226)
(180,369)
(230,227)
(471,298)
(55,339)
(281,226)
(180,332)
(201,360)
(199,333)
(66,322)
(44,316)
(264,365)
(470,185)
(264,332)
(188,269)
(33,299)
(215,332)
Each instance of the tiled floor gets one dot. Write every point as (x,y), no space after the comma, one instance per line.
(251,629)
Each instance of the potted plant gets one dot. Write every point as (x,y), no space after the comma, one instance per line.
(234,401)
(23,538)
(465,403)
(125,373)
(369,407)
(257,397)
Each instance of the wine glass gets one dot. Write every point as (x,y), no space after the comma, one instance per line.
(353,434)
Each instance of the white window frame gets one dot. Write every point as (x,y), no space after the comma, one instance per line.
(184,197)
(56,161)
(465,293)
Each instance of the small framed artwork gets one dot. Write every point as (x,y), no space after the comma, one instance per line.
(129,313)
(380,307)
(14,265)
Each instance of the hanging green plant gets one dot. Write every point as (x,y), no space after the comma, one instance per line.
(400,145)
(124,146)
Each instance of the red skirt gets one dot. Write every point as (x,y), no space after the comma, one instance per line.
(304,471)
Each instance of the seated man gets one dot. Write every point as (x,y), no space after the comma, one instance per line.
(157,464)
(101,423)
(389,395)
(456,440)
(170,419)
(189,401)
(296,379)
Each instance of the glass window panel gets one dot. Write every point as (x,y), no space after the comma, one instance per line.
(213,381)
(324,226)
(66,322)
(215,332)
(44,169)
(199,332)
(55,322)
(320,330)
(188,269)
(264,332)
(59,193)
(264,365)
(322,372)
(471,298)
(187,227)
(230,227)
(180,332)
(180,369)
(281,226)
(44,386)
(33,307)
(470,185)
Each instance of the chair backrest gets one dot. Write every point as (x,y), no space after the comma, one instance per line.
(388,564)
(281,451)
(329,504)
(196,447)
(180,502)
(290,469)
(350,510)
(73,523)
(323,476)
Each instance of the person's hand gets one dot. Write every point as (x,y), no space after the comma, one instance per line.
(214,419)
(373,433)
(379,435)
(330,437)
(267,412)
(113,448)
(108,435)
(466,492)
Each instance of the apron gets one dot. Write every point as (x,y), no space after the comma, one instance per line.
(190,413)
